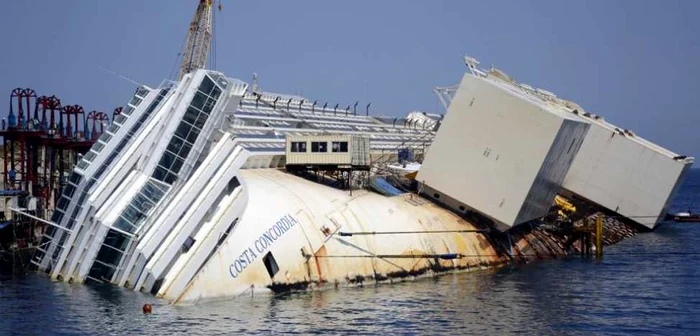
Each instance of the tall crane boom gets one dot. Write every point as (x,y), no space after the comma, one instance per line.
(198,42)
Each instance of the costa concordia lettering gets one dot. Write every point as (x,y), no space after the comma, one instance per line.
(262,244)
(208,188)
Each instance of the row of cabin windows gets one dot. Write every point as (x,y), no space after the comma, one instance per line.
(320,147)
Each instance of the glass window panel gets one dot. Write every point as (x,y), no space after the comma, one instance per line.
(105,137)
(339,147)
(159,173)
(233,183)
(198,100)
(141,203)
(207,85)
(142,91)
(192,137)
(166,160)
(100,271)
(101,170)
(89,185)
(123,143)
(186,148)
(175,144)
(71,222)
(177,165)
(191,115)
(69,190)
(83,164)
(63,203)
(113,128)
(152,191)
(135,101)
(127,111)
(57,216)
(299,146)
(76,210)
(116,240)
(98,146)
(89,156)
(131,214)
(182,130)
(83,195)
(199,123)
(160,186)
(170,178)
(216,93)
(319,147)
(75,178)
(209,105)
(124,225)
(120,118)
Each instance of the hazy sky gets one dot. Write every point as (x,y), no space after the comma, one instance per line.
(634,62)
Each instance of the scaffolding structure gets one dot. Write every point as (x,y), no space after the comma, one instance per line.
(42,141)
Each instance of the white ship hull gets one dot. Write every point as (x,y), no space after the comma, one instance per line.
(300,223)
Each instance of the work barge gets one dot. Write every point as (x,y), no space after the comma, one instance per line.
(210,188)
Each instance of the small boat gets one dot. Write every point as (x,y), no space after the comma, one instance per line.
(684,216)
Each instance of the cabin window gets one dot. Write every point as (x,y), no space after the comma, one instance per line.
(224,235)
(319,147)
(57,216)
(187,245)
(75,178)
(270,264)
(120,119)
(299,146)
(233,183)
(135,101)
(105,137)
(63,203)
(340,147)
(89,156)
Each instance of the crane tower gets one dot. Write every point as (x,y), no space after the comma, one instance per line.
(198,41)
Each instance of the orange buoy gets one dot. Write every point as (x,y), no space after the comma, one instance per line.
(147,308)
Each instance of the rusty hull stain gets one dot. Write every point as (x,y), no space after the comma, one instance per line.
(529,244)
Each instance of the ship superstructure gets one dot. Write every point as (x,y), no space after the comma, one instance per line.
(170,144)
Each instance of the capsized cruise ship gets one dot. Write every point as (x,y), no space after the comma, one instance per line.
(209,188)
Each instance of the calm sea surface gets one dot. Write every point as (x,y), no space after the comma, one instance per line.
(649,284)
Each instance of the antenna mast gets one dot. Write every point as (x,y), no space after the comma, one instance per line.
(199,38)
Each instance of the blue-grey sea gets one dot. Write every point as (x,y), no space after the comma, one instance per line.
(649,284)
